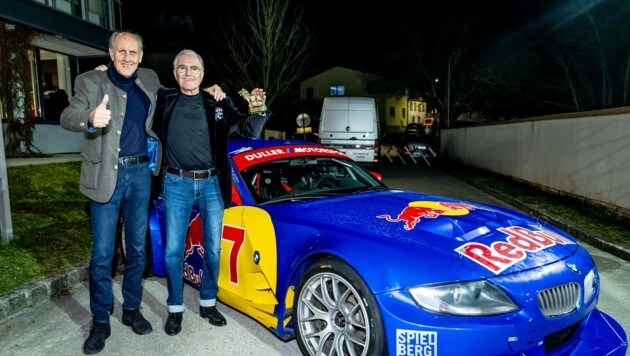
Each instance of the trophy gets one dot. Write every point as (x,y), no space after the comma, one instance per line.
(254,109)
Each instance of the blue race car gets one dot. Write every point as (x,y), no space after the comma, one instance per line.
(317,248)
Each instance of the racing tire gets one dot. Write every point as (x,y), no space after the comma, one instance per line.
(336,314)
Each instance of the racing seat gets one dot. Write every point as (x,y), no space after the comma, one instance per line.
(271,185)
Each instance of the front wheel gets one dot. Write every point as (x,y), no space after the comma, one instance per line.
(336,314)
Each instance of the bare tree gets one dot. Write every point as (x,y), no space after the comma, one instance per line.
(574,56)
(430,59)
(589,56)
(267,46)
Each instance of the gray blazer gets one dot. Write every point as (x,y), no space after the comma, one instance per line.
(99,169)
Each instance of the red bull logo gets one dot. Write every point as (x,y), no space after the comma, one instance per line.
(417,210)
(518,243)
(193,253)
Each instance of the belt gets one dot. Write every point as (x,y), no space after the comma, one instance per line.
(200,174)
(133,159)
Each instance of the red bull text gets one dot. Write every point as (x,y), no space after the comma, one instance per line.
(500,255)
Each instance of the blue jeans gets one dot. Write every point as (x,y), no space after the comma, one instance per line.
(132,195)
(180,193)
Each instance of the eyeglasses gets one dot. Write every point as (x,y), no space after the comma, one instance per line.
(193,69)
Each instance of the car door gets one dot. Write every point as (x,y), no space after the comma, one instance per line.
(248,267)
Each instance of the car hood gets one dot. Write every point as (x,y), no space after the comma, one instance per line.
(415,228)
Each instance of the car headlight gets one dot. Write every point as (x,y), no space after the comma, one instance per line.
(474,298)
(590,285)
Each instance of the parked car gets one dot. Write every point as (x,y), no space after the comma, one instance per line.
(317,248)
(418,142)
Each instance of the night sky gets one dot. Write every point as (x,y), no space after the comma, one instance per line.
(348,33)
(511,58)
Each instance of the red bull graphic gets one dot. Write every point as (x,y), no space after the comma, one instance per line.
(193,253)
(417,210)
(520,241)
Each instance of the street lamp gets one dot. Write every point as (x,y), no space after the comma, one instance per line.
(448,93)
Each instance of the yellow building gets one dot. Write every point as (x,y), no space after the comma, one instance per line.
(401,110)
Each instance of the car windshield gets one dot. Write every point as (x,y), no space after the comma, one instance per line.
(306,177)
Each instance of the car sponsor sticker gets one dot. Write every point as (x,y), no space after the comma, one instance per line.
(249,158)
(415,210)
(500,255)
(417,343)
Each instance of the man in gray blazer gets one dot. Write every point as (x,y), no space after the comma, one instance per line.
(115,110)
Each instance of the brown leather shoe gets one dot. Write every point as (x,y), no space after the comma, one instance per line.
(213,315)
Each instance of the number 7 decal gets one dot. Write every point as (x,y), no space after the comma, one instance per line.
(237,236)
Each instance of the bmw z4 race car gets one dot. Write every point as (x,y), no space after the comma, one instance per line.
(317,248)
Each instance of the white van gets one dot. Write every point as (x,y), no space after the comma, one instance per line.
(350,124)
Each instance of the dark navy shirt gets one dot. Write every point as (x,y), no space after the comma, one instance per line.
(133,138)
(188,140)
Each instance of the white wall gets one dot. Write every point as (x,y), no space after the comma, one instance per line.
(51,139)
(583,154)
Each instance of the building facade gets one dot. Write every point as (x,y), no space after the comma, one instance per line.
(337,81)
(66,31)
(70,37)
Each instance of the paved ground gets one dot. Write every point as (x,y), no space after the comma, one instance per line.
(60,326)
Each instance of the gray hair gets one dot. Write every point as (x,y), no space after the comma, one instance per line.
(188,52)
(117,34)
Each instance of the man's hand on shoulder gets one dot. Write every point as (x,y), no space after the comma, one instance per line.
(102,68)
(216,92)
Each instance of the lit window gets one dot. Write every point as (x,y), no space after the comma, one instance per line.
(337,90)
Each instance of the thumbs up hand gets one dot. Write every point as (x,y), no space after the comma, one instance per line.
(100,116)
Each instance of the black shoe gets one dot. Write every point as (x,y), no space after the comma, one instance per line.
(213,315)
(173,324)
(96,340)
(138,323)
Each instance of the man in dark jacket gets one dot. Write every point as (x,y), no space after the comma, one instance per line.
(194,130)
